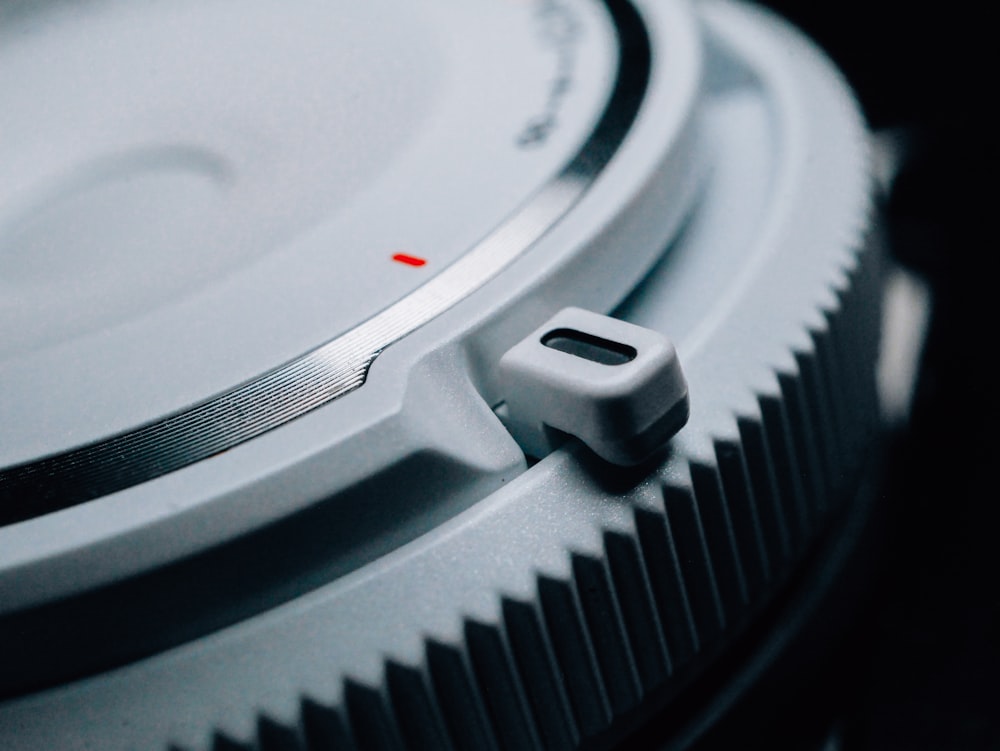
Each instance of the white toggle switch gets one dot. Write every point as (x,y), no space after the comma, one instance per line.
(616,386)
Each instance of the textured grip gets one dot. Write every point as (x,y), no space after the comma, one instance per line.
(661,598)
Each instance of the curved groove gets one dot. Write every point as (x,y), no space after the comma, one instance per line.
(372,722)
(341,365)
(725,546)
(463,706)
(698,567)
(223,742)
(661,561)
(325,727)
(743,511)
(275,736)
(602,619)
(644,632)
(574,654)
(536,664)
(761,478)
(790,491)
(503,693)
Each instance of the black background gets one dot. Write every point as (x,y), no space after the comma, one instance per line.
(920,667)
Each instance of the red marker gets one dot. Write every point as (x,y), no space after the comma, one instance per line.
(409,260)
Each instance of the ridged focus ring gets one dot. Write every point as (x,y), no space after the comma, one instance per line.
(673,580)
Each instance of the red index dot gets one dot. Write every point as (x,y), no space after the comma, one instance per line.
(408,259)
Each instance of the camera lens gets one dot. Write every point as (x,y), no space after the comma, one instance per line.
(421,377)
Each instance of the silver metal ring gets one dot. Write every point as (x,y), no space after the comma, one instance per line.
(339,366)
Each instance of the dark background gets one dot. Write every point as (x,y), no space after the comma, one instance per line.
(919,668)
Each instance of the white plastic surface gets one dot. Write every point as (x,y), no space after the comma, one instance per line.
(622,410)
(193,195)
(629,214)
